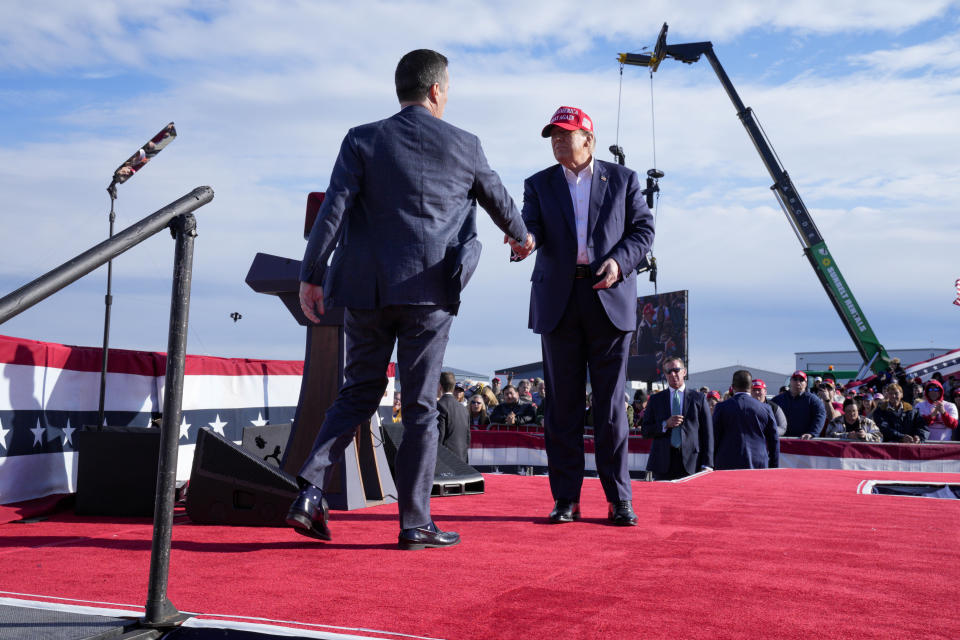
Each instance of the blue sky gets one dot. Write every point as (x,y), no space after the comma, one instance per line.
(861,101)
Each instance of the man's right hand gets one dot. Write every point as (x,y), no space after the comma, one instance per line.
(674,421)
(521,251)
(311,301)
(511,418)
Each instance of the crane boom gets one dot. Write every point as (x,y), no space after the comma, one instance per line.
(874,355)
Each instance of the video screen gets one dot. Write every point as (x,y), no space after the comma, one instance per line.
(661,332)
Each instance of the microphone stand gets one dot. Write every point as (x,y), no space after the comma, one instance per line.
(108,303)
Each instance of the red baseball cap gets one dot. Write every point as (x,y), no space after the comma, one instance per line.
(759,384)
(714,394)
(799,374)
(569,118)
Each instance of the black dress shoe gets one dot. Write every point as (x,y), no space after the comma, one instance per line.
(621,514)
(565,511)
(309,518)
(428,536)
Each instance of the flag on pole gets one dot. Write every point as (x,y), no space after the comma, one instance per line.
(957,284)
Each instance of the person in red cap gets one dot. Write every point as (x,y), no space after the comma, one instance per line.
(713,399)
(759,391)
(590,228)
(805,412)
(648,343)
(496,387)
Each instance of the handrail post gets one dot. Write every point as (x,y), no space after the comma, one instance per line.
(160,612)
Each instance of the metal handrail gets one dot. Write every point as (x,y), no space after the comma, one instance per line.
(160,613)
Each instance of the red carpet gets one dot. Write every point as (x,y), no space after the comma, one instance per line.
(736,554)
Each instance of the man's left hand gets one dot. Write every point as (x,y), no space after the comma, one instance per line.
(609,272)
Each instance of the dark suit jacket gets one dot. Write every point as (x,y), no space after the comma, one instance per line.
(619,226)
(746,433)
(453,422)
(696,447)
(413,238)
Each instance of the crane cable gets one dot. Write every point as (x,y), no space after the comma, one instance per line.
(653,135)
(653,132)
(619,101)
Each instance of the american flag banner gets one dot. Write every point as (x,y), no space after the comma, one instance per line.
(50,391)
(957,287)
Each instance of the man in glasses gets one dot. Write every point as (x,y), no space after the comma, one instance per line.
(680,423)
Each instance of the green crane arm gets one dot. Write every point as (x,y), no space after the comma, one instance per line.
(874,356)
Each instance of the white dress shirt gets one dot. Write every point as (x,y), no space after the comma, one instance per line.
(579,184)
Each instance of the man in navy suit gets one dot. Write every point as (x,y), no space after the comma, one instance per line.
(590,228)
(679,421)
(401,212)
(453,420)
(745,430)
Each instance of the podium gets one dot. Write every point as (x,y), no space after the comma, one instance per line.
(362,478)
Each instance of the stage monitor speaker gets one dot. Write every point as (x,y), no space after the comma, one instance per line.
(230,485)
(269,442)
(452,477)
(117,471)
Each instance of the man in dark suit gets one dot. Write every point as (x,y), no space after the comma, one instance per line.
(679,421)
(591,228)
(745,430)
(401,212)
(453,419)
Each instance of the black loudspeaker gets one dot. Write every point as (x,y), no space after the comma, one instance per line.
(230,485)
(453,476)
(269,443)
(117,471)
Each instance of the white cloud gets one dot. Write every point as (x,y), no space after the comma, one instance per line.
(942,54)
(871,153)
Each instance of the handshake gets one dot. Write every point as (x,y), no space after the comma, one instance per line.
(519,251)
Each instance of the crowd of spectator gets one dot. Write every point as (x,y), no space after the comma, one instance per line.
(890,408)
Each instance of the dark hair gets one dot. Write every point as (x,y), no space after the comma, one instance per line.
(850,401)
(663,365)
(447,381)
(741,380)
(417,72)
(509,386)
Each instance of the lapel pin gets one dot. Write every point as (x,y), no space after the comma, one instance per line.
(603,178)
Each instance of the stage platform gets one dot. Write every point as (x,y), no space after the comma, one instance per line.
(781,553)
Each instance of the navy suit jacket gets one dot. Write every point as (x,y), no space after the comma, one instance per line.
(746,433)
(453,421)
(619,226)
(696,447)
(401,210)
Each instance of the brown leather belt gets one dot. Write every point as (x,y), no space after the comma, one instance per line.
(583,271)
